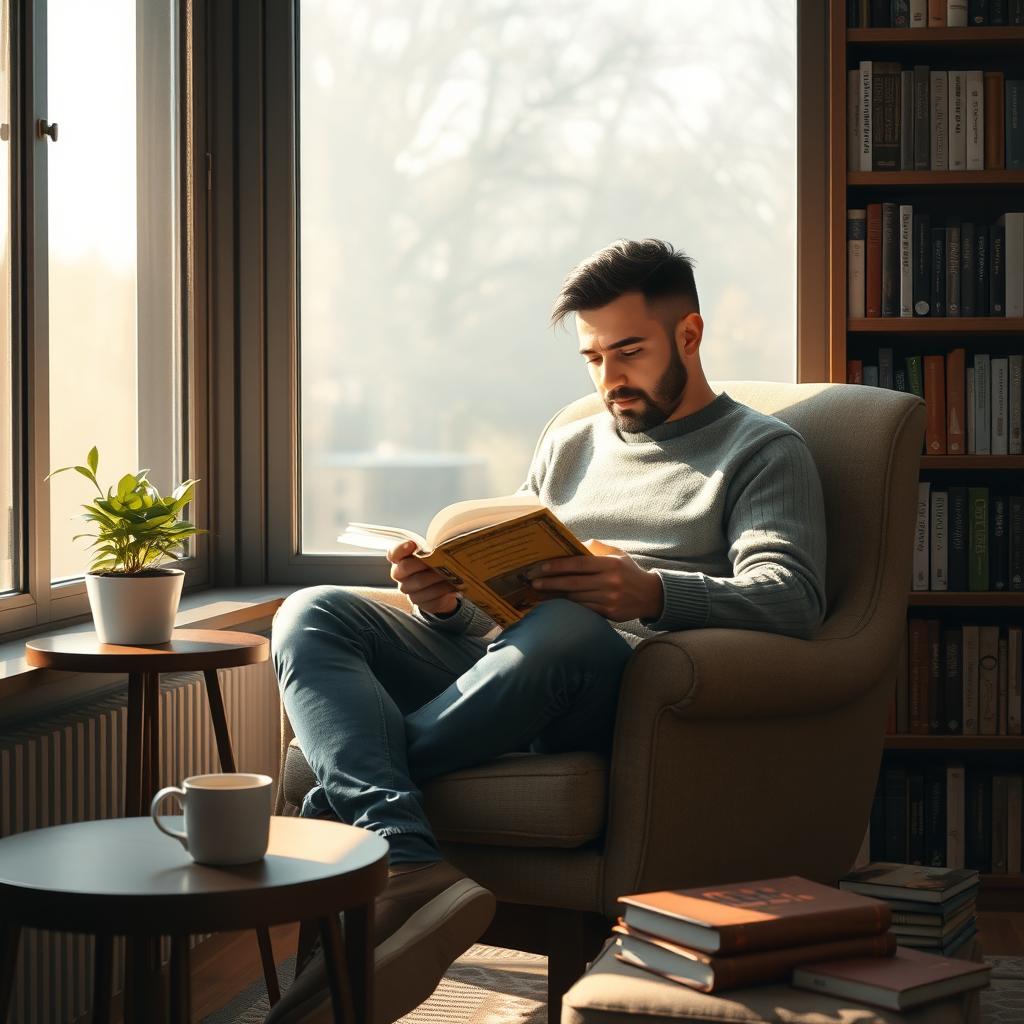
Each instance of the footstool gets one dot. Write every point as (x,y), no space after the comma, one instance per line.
(612,992)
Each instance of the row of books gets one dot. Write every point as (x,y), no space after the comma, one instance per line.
(903,262)
(974,407)
(948,815)
(933,908)
(917,14)
(925,119)
(968,540)
(962,680)
(787,929)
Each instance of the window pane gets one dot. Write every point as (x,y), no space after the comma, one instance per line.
(8,533)
(463,156)
(114,289)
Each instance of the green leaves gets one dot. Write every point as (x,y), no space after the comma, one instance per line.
(136,527)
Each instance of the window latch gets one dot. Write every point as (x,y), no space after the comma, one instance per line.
(42,128)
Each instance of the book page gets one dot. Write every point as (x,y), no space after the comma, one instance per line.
(378,538)
(464,516)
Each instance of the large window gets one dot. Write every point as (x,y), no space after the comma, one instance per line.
(456,159)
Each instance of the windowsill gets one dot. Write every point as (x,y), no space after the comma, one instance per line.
(243,608)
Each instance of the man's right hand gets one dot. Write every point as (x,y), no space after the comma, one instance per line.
(425,587)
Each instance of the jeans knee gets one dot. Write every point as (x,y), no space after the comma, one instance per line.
(309,609)
(561,629)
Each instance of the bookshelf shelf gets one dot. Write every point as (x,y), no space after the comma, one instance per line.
(954,743)
(1002,37)
(937,325)
(964,599)
(933,179)
(982,462)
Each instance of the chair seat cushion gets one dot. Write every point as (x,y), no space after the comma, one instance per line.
(612,992)
(547,800)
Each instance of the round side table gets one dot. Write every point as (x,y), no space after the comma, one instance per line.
(121,876)
(189,650)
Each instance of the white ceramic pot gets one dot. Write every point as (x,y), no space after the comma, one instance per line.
(135,609)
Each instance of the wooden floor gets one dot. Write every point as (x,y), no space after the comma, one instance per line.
(226,964)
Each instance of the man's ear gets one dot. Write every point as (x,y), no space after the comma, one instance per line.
(689,332)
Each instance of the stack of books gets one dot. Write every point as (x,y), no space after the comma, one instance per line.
(933,909)
(748,933)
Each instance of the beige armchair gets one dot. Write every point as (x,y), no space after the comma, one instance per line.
(737,754)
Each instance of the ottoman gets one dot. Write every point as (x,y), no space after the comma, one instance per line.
(612,992)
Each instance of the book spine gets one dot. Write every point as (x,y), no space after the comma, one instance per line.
(957,136)
(922,274)
(935,402)
(1016,529)
(880,14)
(934,816)
(1013,249)
(896,813)
(997,12)
(885,368)
(953,269)
(915,824)
(970,712)
(936,686)
(995,153)
(915,375)
(900,13)
(922,114)
(906,258)
(939,539)
(988,688)
(955,401)
(1000,813)
(974,121)
(956,13)
(958,538)
(996,272)
(981,285)
(853,119)
(982,405)
(890,259)
(866,103)
(977,578)
(1016,13)
(970,407)
(856,243)
(873,261)
(854,371)
(968,269)
(955,851)
(870,375)
(939,127)
(936,13)
(1015,442)
(1014,117)
(1001,696)
(953,695)
(1014,665)
(853,15)
(1000,404)
(1014,795)
(906,120)
(921,571)
(979,820)
(999,542)
(918,13)
(918,668)
(977,12)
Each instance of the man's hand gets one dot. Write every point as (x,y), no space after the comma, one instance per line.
(610,583)
(425,587)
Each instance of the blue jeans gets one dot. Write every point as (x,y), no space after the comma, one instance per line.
(381,701)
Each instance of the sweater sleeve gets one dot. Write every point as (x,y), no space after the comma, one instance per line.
(775,528)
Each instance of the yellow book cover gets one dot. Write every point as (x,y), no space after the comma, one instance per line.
(486,547)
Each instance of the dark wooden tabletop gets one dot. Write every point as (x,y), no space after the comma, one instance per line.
(189,650)
(123,876)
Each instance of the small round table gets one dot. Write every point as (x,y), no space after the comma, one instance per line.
(121,876)
(189,650)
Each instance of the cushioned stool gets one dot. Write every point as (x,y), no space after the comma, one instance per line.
(612,992)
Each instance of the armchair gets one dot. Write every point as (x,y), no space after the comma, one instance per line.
(737,754)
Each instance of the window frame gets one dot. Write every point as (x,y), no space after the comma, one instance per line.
(285,563)
(40,603)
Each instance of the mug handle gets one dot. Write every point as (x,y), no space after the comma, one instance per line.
(168,791)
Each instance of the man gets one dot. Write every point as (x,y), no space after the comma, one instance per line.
(708,514)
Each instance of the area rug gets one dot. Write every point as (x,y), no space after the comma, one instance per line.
(503,986)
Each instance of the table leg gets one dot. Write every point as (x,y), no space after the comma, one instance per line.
(102,979)
(220,722)
(142,974)
(133,754)
(9,936)
(269,969)
(359,959)
(151,740)
(181,988)
(342,1003)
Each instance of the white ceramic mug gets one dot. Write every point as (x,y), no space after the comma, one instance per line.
(227,816)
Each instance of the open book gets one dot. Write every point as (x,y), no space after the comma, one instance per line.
(486,547)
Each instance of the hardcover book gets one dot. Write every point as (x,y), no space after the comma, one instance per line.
(909,882)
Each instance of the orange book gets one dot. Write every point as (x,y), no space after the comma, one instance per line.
(873,262)
(956,416)
(854,371)
(995,142)
(936,13)
(935,402)
(741,917)
(711,973)
(918,664)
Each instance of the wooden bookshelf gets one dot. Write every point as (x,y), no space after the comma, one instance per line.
(942,193)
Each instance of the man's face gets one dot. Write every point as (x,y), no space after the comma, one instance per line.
(633,362)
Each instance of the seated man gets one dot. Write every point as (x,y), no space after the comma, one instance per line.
(708,514)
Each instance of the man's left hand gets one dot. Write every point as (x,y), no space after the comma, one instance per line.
(610,583)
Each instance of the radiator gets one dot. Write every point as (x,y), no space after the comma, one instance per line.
(70,767)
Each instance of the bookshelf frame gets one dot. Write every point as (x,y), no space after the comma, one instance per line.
(937,46)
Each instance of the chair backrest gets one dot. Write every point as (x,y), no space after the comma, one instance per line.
(866,443)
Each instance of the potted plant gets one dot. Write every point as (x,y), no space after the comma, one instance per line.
(134,599)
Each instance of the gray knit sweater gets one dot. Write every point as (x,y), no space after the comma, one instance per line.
(724,505)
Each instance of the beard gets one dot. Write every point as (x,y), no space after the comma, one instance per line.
(655,408)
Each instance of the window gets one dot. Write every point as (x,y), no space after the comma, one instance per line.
(8,549)
(455,161)
(105,329)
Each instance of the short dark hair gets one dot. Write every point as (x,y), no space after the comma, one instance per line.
(652,267)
